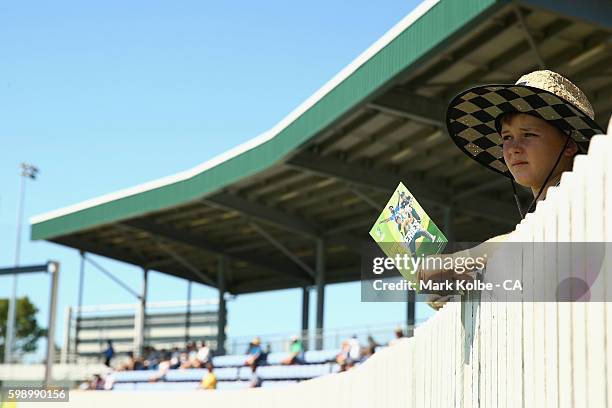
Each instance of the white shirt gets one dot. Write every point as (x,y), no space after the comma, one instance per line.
(204,353)
(355,349)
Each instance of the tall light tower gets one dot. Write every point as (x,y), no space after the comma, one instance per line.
(28,171)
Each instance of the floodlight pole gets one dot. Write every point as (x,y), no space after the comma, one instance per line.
(54,271)
(27,171)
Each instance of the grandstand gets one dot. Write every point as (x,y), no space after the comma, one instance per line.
(167,325)
(290,209)
(303,194)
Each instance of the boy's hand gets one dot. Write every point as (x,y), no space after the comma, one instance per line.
(436,302)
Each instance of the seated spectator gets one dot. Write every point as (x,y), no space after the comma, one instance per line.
(354,349)
(256,356)
(184,360)
(297,352)
(109,380)
(175,359)
(162,368)
(348,365)
(399,334)
(350,353)
(109,353)
(192,352)
(255,381)
(195,363)
(203,355)
(209,382)
(370,349)
(145,354)
(151,359)
(132,363)
(343,356)
(96,383)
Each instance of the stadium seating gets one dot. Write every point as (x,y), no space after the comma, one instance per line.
(229,361)
(133,376)
(190,385)
(223,374)
(320,356)
(294,372)
(277,358)
(232,374)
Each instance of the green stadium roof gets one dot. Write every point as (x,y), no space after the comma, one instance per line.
(327,169)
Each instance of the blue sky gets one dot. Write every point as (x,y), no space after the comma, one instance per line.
(106,95)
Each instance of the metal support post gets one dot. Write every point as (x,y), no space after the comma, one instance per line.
(67,327)
(305,310)
(320,283)
(188,313)
(141,317)
(222,312)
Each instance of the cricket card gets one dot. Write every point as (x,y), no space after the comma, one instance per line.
(403,228)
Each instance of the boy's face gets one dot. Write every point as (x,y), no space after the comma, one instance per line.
(531,147)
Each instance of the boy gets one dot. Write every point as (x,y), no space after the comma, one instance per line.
(528,132)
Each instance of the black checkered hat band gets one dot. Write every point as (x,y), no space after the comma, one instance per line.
(471,119)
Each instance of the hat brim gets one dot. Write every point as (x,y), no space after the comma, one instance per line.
(471,119)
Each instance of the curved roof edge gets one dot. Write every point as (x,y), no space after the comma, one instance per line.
(421,30)
(257,140)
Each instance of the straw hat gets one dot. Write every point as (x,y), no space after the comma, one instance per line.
(472,117)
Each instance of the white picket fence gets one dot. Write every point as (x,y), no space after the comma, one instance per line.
(482,352)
